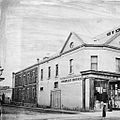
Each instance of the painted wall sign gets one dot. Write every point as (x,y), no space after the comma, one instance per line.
(113,32)
(70,80)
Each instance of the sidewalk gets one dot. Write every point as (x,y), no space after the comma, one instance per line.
(24,113)
(45,110)
(50,110)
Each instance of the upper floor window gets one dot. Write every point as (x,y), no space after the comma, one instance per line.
(33,93)
(55,84)
(24,79)
(41,88)
(71,65)
(94,62)
(117,64)
(56,74)
(49,72)
(28,77)
(41,74)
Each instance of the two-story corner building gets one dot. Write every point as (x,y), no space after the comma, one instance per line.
(83,72)
(25,86)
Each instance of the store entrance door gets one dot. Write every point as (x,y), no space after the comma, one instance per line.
(114,94)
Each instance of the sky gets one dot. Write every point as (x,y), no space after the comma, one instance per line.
(31,29)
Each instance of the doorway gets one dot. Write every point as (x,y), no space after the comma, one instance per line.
(56,99)
(100,93)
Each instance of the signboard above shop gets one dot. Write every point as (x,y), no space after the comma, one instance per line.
(113,32)
(71,79)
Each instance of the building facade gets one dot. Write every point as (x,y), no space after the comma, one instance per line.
(7,91)
(79,77)
(25,85)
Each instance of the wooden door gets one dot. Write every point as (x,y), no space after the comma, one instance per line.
(56,99)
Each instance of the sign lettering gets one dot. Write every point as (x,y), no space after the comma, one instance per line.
(113,32)
(70,80)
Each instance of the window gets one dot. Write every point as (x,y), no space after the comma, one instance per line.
(33,92)
(41,74)
(49,72)
(71,45)
(117,64)
(24,79)
(71,65)
(56,74)
(33,75)
(28,94)
(41,88)
(94,62)
(55,84)
(28,78)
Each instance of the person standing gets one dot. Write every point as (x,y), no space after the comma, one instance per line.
(3,98)
(105,100)
(104,111)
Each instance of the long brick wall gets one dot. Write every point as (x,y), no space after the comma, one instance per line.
(25,89)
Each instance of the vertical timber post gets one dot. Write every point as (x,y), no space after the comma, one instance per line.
(83,85)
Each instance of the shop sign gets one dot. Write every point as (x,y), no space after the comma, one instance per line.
(70,80)
(113,32)
(105,77)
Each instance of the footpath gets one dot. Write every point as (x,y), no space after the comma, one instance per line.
(43,110)
(61,114)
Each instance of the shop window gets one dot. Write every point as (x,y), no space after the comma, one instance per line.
(94,62)
(117,64)
(56,74)
(100,90)
(41,74)
(55,84)
(71,65)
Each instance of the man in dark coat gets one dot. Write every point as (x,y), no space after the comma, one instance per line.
(105,100)
(3,98)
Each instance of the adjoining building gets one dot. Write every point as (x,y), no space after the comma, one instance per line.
(78,77)
(25,87)
(7,91)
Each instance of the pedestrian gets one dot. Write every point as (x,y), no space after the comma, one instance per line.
(104,111)
(3,98)
(105,101)
(110,104)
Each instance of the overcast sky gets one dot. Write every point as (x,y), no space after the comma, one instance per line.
(32,29)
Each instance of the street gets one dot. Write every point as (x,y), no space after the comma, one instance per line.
(12,113)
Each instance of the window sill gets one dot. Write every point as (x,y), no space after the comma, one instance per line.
(56,88)
(56,76)
(49,78)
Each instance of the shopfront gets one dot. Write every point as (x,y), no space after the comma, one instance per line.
(104,87)
(114,93)
(100,92)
